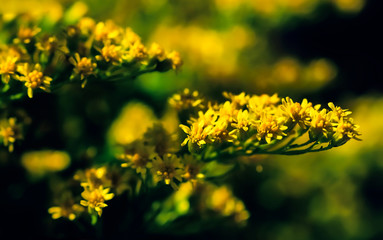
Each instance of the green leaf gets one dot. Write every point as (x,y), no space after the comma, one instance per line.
(16,96)
(94,218)
(215,169)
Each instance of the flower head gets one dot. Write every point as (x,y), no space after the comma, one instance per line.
(111,53)
(138,156)
(7,67)
(185,100)
(66,208)
(198,134)
(345,130)
(297,112)
(33,78)
(193,168)
(95,198)
(320,124)
(83,67)
(271,127)
(167,169)
(10,132)
(26,34)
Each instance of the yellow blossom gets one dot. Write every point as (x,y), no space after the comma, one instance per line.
(345,130)
(156,51)
(10,132)
(192,168)
(33,78)
(26,34)
(93,177)
(86,25)
(271,127)
(239,100)
(66,208)
(197,134)
(129,38)
(95,199)
(51,44)
(111,53)
(107,31)
(298,113)
(7,67)
(186,99)
(337,112)
(137,52)
(320,124)
(83,67)
(175,59)
(167,169)
(138,156)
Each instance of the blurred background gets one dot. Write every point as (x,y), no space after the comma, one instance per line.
(323,50)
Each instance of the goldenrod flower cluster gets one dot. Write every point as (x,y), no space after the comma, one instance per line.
(10,132)
(253,124)
(85,51)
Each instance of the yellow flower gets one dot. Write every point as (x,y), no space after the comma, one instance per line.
(192,168)
(95,199)
(67,208)
(7,67)
(197,134)
(83,67)
(10,132)
(239,100)
(129,38)
(263,101)
(345,130)
(320,124)
(51,43)
(298,112)
(86,26)
(137,52)
(33,78)
(26,34)
(93,177)
(176,60)
(138,156)
(111,53)
(167,169)
(338,113)
(107,31)
(156,51)
(185,100)
(271,127)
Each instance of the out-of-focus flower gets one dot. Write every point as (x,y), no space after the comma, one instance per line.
(135,118)
(138,156)
(222,201)
(93,177)
(25,35)
(7,67)
(167,169)
(10,132)
(186,99)
(38,163)
(67,208)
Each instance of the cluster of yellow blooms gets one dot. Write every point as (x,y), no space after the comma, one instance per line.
(10,132)
(241,126)
(88,50)
(254,124)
